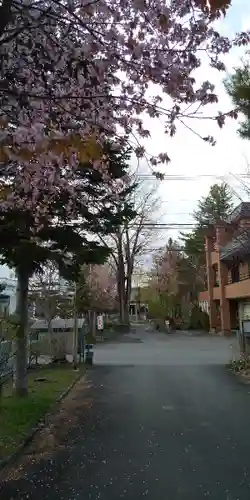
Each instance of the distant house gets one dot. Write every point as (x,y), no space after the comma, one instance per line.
(137,307)
(57,325)
(8,297)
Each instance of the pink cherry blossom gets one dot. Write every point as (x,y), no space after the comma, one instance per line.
(83,68)
(102,284)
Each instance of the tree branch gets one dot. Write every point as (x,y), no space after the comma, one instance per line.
(5,14)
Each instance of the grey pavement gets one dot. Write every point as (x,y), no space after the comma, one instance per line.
(167,422)
(161,349)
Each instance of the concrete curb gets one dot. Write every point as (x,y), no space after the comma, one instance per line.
(242,379)
(238,376)
(42,422)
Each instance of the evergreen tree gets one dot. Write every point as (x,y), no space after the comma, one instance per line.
(68,242)
(238,88)
(215,206)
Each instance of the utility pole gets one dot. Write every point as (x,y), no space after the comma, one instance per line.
(139,301)
(75,329)
(92,312)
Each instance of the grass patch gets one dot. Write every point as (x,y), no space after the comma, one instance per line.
(19,416)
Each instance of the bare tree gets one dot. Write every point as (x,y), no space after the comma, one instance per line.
(44,290)
(130,242)
(50,301)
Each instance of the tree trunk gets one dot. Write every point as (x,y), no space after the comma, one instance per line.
(75,331)
(20,381)
(121,281)
(128,289)
(121,294)
(126,313)
(123,301)
(125,266)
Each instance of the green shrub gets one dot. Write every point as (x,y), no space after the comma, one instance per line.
(239,365)
(122,328)
(198,319)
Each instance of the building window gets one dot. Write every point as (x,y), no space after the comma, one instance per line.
(235,273)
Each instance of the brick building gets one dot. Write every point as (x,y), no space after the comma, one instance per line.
(227,297)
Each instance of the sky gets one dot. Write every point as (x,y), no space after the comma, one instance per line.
(190,156)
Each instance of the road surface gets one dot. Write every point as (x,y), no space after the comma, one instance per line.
(166,422)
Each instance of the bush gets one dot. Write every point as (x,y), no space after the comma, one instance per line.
(122,328)
(89,339)
(239,365)
(198,319)
(173,325)
(109,325)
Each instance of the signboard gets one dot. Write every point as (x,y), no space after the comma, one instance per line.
(100,322)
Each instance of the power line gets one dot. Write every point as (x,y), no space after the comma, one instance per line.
(162,226)
(179,213)
(183,177)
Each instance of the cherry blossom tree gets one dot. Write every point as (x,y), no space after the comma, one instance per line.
(73,71)
(173,284)
(102,284)
(96,288)
(164,274)
(63,239)
(96,291)
(214,7)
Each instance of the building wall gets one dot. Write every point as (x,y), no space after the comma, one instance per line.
(241,289)
(203,296)
(214,257)
(222,295)
(216,293)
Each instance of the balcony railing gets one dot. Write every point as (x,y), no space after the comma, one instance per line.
(242,277)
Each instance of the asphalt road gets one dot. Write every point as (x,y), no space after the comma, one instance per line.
(166,422)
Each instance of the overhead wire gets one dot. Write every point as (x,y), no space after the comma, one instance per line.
(183,177)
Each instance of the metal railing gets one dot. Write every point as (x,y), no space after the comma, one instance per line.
(242,277)
(6,362)
(7,359)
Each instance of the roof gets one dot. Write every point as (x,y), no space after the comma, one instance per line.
(238,247)
(58,323)
(240,212)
